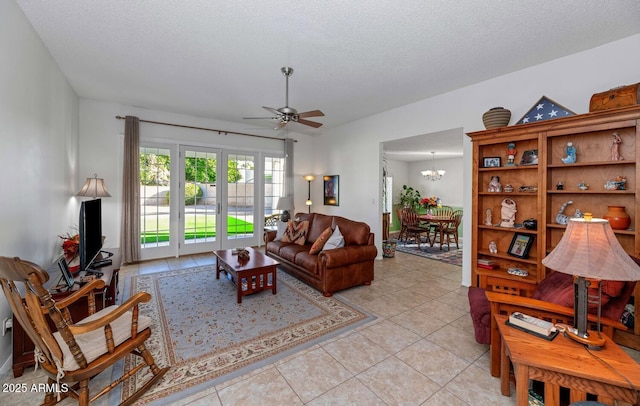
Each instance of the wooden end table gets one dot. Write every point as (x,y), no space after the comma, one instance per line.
(608,373)
(251,276)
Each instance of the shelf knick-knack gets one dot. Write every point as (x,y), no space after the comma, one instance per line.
(496,117)
(618,217)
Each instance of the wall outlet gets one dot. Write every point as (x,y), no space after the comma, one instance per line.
(7,324)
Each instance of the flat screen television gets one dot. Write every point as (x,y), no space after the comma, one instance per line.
(90,225)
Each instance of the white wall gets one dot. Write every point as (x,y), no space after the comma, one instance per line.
(38,151)
(570,81)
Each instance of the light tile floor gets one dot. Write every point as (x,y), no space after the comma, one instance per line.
(419,351)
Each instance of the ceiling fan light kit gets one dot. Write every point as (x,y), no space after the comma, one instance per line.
(287,114)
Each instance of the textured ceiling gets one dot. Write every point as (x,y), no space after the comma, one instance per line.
(352,59)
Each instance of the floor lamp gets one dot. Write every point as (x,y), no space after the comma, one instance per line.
(590,251)
(309,178)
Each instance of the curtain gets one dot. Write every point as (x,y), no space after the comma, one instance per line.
(130,221)
(288,168)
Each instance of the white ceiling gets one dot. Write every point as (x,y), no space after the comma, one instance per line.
(352,59)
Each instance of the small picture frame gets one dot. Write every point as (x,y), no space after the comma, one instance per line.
(331,190)
(491,162)
(529,157)
(520,245)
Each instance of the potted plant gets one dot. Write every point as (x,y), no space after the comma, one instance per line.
(409,197)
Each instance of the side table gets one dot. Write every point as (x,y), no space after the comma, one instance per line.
(22,345)
(610,373)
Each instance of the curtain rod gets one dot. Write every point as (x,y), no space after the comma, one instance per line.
(208,129)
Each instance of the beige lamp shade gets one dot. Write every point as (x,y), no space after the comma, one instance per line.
(285,203)
(94,187)
(590,249)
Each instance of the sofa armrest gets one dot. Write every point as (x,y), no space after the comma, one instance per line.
(350,254)
(269,235)
(502,303)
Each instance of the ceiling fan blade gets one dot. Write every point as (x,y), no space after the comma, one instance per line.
(313,113)
(271,109)
(309,123)
(260,118)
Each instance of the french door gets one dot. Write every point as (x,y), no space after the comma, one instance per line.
(212,204)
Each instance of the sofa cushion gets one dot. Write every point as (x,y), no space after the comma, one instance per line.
(354,232)
(480,310)
(307,261)
(318,226)
(282,227)
(335,241)
(296,232)
(289,251)
(320,241)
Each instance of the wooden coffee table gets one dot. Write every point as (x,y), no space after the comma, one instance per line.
(251,276)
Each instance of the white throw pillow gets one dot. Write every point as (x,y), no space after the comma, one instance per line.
(335,241)
(282,227)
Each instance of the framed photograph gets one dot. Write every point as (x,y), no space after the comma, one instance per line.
(491,162)
(520,245)
(529,157)
(331,190)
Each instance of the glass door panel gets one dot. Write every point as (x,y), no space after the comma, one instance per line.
(200,223)
(240,210)
(155,207)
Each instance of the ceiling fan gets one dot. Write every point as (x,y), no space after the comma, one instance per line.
(287,114)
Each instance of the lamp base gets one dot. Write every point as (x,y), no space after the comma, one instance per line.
(593,340)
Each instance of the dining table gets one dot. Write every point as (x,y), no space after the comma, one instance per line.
(441,222)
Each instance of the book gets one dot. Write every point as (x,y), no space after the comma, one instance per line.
(486,261)
(533,325)
(492,266)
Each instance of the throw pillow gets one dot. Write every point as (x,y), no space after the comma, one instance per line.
(335,241)
(296,232)
(320,241)
(282,227)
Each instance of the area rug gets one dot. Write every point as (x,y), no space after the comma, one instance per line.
(453,256)
(206,337)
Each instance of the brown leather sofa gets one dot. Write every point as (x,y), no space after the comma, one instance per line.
(330,270)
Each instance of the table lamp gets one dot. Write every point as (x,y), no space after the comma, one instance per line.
(285,204)
(590,251)
(94,187)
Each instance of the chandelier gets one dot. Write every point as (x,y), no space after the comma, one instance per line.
(433,174)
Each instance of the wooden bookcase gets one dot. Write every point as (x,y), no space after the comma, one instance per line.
(592,135)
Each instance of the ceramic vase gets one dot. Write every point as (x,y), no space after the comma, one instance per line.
(496,117)
(618,217)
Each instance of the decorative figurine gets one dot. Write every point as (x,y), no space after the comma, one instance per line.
(508,213)
(493,247)
(511,154)
(562,218)
(571,154)
(488,216)
(578,214)
(615,148)
(508,188)
(494,184)
(583,186)
(559,186)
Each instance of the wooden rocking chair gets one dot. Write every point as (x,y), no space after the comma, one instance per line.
(76,353)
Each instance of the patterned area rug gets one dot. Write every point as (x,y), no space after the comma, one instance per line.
(206,337)
(453,257)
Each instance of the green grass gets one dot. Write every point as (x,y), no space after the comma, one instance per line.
(196,226)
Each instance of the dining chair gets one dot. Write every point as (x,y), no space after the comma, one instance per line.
(414,226)
(443,211)
(73,353)
(403,226)
(450,229)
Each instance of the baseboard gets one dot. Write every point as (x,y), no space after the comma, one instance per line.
(7,367)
